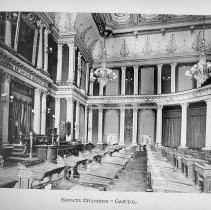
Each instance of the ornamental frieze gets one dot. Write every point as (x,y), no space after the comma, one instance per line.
(175,98)
(21,69)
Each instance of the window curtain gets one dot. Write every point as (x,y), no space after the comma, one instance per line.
(196,127)
(21,117)
(171,128)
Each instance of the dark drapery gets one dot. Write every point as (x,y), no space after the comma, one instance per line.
(21,118)
(171,128)
(196,127)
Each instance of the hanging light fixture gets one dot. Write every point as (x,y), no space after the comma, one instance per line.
(202,70)
(103,74)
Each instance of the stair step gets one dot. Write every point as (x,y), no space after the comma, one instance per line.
(18,149)
(17,154)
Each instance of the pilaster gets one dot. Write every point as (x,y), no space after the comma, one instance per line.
(183,125)
(159,81)
(122,127)
(136,79)
(159,125)
(59,64)
(123,80)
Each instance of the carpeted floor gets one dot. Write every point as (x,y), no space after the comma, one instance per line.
(134,177)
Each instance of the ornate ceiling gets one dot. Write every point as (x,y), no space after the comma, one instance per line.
(121,23)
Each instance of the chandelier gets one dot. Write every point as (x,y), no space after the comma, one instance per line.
(200,71)
(103,75)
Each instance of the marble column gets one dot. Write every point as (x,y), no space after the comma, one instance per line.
(159,126)
(90,125)
(208,125)
(8,29)
(69,117)
(46,32)
(159,80)
(59,64)
(173,83)
(17,33)
(122,127)
(71,63)
(86,122)
(43,113)
(79,70)
(34,47)
(37,95)
(40,47)
(100,126)
(135,112)
(5,103)
(57,114)
(101,89)
(183,125)
(123,80)
(91,84)
(136,79)
(77,125)
(87,77)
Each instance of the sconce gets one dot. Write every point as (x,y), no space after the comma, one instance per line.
(50,50)
(32,111)
(166,78)
(48,110)
(128,128)
(62,124)
(129,80)
(11,98)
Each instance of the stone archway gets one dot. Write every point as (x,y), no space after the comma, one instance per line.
(146,125)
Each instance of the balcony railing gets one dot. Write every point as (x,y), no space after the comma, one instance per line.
(193,95)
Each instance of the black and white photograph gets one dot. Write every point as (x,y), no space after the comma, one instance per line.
(105,102)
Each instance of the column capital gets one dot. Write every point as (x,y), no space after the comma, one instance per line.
(9,16)
(40,24)
(135,109)
(37,91)
(45,92)
(79,54)
(87,65)
(47,30)
(123,68)
(5,76)
(100,109)
(173,65)
(122,109)
(71,45)
(159,66)
(159,106)
(135,67)
(69,99)
(207,100)
(57,100)
(184,105)
(78,102)
(60,45)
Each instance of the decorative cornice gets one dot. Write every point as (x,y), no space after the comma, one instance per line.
(163,99)
(152,60)
(12,62)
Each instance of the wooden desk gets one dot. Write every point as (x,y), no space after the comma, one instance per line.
(203,176)
(98,174)
(38,174)
(7,183)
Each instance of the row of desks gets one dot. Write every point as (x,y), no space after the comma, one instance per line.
(44,174)
(195,169)
(162,174)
